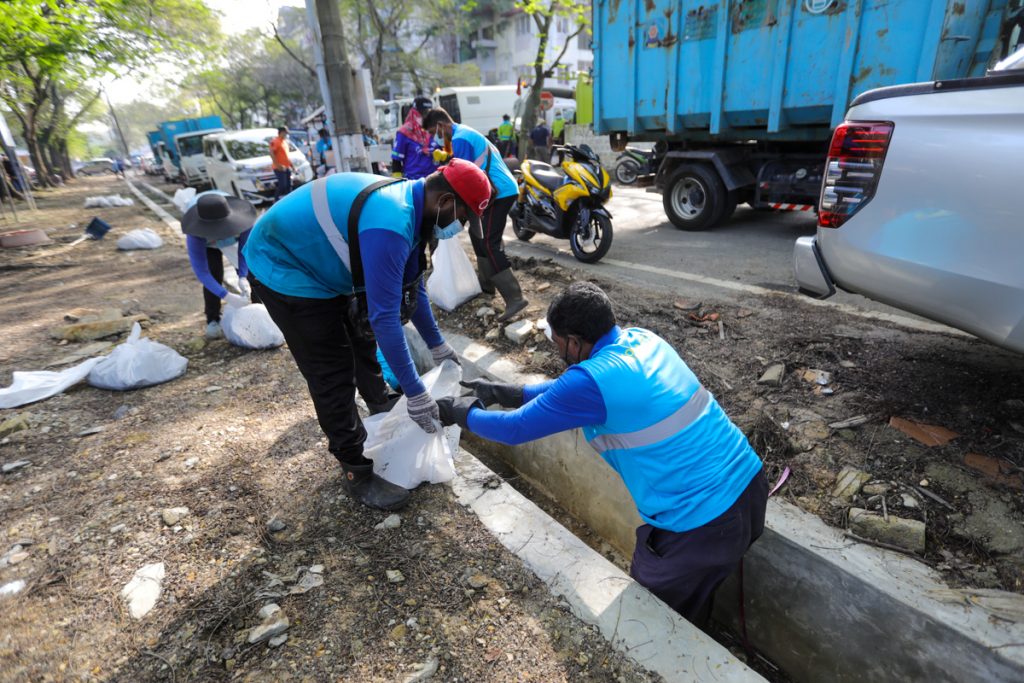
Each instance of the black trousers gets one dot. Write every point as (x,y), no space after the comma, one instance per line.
(284,183)
(492,222)
(684,569)
(333,362)
(211,302)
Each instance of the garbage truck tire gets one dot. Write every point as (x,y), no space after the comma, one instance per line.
(695,197)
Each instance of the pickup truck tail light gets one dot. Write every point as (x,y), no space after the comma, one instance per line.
(855,159)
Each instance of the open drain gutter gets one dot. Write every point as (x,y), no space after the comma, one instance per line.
(820,606)
(630,618)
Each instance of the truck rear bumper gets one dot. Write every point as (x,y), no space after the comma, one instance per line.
(811,274)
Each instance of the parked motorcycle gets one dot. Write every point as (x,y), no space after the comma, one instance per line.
(569,206)
(635,163)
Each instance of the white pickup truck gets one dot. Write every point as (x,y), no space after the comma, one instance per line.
(919,205)
(238,162)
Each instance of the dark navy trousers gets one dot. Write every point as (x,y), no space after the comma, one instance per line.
(685,568)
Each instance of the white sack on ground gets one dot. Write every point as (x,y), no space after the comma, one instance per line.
(138,362)
(140,239)
(29,387)
(250,327)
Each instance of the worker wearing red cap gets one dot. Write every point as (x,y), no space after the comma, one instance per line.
(307,272)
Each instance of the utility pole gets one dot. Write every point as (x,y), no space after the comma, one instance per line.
(117,126)
(336,85)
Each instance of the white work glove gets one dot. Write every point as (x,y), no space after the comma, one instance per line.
(236,300)
(444,352)
(423,411)
(245,288)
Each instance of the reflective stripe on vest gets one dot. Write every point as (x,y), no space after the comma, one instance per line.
(322,211)
(659,431)
(483,157)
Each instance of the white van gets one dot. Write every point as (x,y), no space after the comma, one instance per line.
(239,162)
(190,153)
(479,107)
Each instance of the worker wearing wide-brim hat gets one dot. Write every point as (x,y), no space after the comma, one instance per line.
(216,226)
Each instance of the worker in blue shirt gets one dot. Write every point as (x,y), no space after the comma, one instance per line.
(305,271)
(323,146)
(698,485)
(412,154)
(216,226)
(494,270)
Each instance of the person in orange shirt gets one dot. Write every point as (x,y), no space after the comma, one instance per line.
(281,164)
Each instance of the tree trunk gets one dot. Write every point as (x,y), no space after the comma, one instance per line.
(65,158)
(533,101)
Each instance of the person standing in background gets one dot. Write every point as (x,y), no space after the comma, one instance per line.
(558,129)
(323,146)
(505,133)
(540,136)
(412,155)
(281,164)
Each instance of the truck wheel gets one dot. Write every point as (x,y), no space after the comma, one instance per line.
(695,198)
(627,171)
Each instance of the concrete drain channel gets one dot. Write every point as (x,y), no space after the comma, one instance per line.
(820,607)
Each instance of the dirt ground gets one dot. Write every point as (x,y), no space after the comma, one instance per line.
(235,441)
(967,492)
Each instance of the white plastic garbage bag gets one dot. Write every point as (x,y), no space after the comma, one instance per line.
(108,200)
(404,454)
(183,197)
(140,239)
(250,327)
(29,387)
(453,281)
(138,362)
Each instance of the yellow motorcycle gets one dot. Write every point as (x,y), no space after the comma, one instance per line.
(570,206)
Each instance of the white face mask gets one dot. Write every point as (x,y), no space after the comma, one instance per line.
(448,231)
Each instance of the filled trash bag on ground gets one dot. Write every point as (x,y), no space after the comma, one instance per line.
(404,454)
(454,280)
(140,239)
(250,327)
(108,200)
(138,362)
(32,386)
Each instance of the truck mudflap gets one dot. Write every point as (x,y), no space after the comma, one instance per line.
(812,276)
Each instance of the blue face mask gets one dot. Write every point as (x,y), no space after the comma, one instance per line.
(447,232)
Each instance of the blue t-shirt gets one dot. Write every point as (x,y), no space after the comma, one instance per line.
(470,145)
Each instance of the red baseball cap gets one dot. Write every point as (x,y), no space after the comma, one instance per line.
(470,184)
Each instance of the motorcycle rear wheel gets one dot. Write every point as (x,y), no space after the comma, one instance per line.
(627,171)
(519,223)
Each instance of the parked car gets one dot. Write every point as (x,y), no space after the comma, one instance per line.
(97,166)
(919,206)
(239,162)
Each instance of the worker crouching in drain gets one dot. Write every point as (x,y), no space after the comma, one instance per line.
(698,485)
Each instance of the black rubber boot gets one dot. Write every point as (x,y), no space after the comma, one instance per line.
(484,273)
(362,484)
(508,285)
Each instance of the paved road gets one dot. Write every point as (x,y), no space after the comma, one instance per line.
(751,252)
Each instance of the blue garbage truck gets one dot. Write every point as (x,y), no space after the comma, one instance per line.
(741,96)
(178,146)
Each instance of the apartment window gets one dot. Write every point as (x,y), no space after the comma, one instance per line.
(562,24)
(523,25)
(586,41)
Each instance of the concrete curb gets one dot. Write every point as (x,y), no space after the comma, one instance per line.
(630,618)
(820,606)
(168,220)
